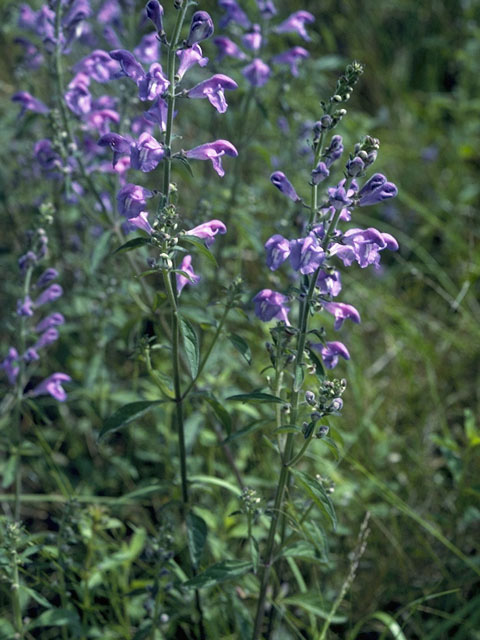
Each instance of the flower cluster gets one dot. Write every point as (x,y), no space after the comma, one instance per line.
(36,333)
(323,244)
(257,72)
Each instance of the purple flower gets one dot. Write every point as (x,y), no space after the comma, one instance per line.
(213,151)
(112,39)
(201,28)
(131,200)
(341,312)
(153,84)
(154,12)
(101,120)
(266,8)
(53,386)
(27,260)
(46,156)
(129,64)
(47,337)
(188,58)
(233,14)
(53,292)
(117,143)
(98,65)
(109,12)
(25,307)
(329,283)
(355,166)
(257,72)
(320,173)
(52,320)
(213,89)
(141,222)
(271,304)
(253,40)
(33,58)
(146,153)
(158,113)
(227,47)
(47,276)
(280,180)
(148,50)
(186,265)
(296,22)
(278,250)
(31,355)
(29,103)
(306,254)
(334,150)
(78,97)
(338,196)
(10,365)
(291,57)
(26,17)
(364,246)
(208,231)
(330,352)
(376,189)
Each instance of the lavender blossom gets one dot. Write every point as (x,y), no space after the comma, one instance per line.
(110,12)
(306,254)
(29,103)
(154,11)
(266,8)
(53,292)
(329,283)
(201,28)
(78,97)
(228,48)
(52,320)
(131,200)
(341,312)
(28,259)
(129,65)
(189,57)
(338,196)
(117,143)
(10,365)
(253,40)
(101,119)
(146,153)
(153,84)
(48,337)
(213,89)
(213,151)
(320,173)
(25,307)
(149,48)
(278,250)
(141,222)
(257,72)
(376,189)
(283,184)
(363,246)
(47,276)
(330,352)
(296,23)
(98,65)
(334,150)
(292,57)
(186,265)
(233,14)
(271,305)
(208,231)
(158,113)
(52,386)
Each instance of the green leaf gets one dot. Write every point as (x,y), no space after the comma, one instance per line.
(196,537)
(218,573)
(302,549)
(201,248)
(183,162)
(317,493)
(287,428)
(190,342)
(134,243)
(221,413)
(241,346)
(219,482)
(256,396)
(56,618)
(9,471)
(332,445)
(253,426)
(127,414)
(310,602)
(36,596)
(100,251)
(254,552)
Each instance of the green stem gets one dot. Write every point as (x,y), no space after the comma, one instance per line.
(17,611)
(176,384)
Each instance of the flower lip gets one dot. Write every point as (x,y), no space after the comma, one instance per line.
(208,230)
(283,184)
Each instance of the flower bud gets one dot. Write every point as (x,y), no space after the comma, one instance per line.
(201,28)
(322,431)
(155,12)
(310,397)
